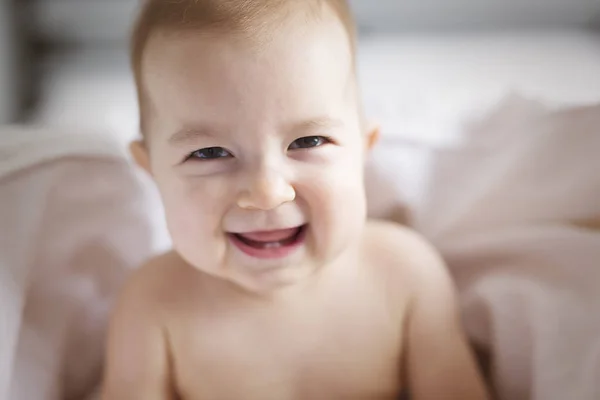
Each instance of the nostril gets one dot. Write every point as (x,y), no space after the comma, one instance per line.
(266,198)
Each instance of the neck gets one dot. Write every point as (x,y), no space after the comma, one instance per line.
(305,287)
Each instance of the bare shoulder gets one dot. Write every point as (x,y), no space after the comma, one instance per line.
(150,287)
(402,247)
(439,361)
(137,364)
(405,256)
(386,232)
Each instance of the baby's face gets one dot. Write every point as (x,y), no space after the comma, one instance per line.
(258,153)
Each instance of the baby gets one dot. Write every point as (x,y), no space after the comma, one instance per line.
(278,288)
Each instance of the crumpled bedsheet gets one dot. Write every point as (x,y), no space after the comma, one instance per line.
(514,207)
(74,219)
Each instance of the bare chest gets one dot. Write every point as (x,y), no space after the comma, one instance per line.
(343,350)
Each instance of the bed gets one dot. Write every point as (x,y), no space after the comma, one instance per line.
(511,87)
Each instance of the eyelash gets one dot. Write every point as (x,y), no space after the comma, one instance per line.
(215,148)
(323,141)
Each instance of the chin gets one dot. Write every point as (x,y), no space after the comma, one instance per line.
(274,280)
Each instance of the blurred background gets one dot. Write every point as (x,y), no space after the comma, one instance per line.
(424,64)
(513,204)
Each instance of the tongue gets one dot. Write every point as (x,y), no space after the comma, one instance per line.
(271,236)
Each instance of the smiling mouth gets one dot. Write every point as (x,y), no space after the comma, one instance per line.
(270,244)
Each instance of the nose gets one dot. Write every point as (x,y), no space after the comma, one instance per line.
(266,189)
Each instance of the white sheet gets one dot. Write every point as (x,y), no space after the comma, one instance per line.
(75,218)
(514,207)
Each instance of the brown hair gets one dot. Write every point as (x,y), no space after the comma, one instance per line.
(245,18)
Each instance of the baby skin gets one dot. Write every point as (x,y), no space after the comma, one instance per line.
(278,287)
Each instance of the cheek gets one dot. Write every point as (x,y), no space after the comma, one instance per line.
(339,181)
(193,207)
(336,200)
(334,189)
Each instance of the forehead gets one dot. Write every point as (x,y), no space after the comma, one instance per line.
(297,73)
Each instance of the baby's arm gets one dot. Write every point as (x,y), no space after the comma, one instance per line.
(137,357)
(441,365)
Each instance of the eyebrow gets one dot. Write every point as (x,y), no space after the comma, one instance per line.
(191,135)
(317,124)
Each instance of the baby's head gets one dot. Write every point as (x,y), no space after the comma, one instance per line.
(253,130)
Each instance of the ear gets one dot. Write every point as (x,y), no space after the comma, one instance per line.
(139,152)
(373,134)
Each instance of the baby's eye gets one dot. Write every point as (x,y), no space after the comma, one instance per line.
(210,153)
(309,142)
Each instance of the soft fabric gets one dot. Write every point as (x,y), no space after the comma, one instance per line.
(514,207)
(513,204)
(75,218)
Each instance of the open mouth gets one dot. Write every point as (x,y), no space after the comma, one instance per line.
(270,244)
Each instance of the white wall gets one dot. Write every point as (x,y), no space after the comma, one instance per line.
(422,15)
(422,86)
(83,21)
(109,20)
(8,103)
(419,86)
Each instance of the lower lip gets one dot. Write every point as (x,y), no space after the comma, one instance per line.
(273,253)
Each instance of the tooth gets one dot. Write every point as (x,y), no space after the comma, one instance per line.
(272,245)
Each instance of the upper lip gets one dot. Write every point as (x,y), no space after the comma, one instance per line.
(270,229)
